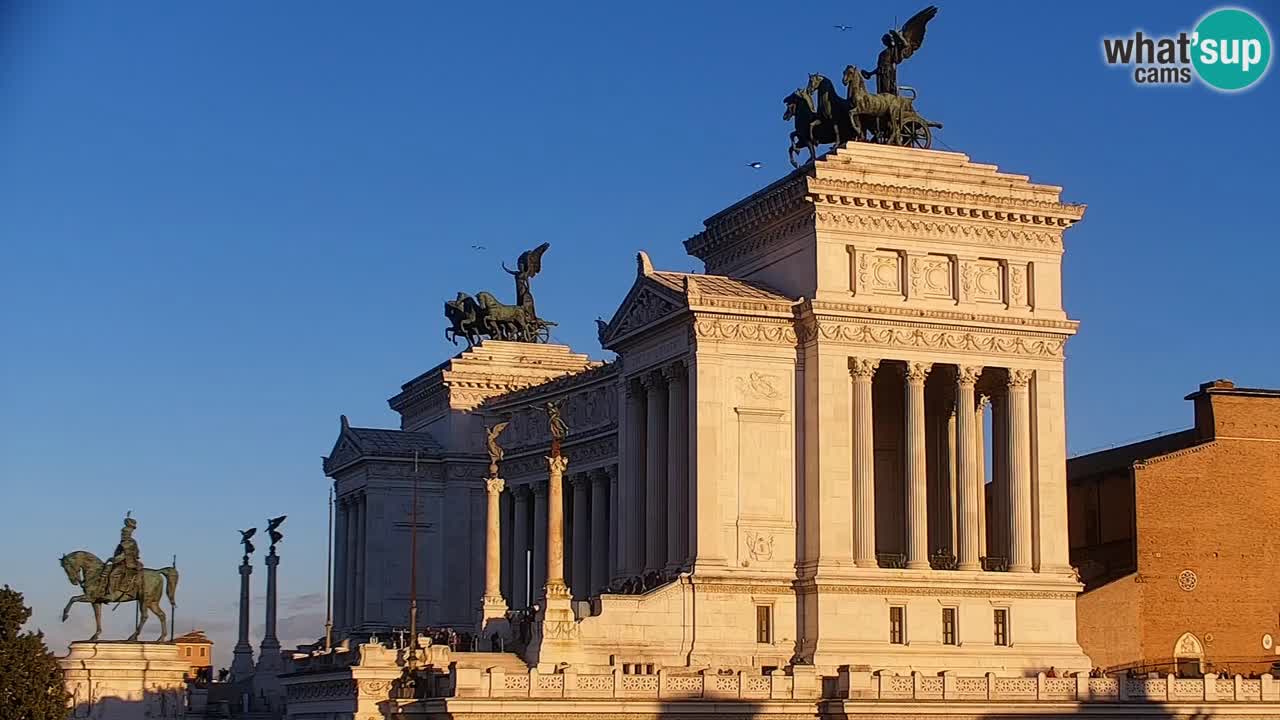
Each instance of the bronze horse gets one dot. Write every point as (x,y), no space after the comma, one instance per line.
(84,570)
(810,131)
(833,110)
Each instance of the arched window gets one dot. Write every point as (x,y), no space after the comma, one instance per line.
(1188,653)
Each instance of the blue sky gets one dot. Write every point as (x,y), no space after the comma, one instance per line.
(222,224)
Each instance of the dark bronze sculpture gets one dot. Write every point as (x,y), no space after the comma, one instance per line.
(245,536)
(496,452)
(887,117)
(275,535)
(119,580)
(898,46)
(485,316)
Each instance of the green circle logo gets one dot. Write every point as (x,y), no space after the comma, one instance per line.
(1232,49)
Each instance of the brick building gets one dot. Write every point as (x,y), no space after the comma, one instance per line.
(1177,540)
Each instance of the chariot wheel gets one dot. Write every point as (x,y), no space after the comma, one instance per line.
(915,133)
(542,334)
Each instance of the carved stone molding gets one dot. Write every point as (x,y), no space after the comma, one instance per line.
(944,202)
(932,314)
(745,331)
(882,335)
(972,233)
(944,592)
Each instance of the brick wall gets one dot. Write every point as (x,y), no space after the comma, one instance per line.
(1107,622)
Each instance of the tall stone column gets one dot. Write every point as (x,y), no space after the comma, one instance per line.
(340,567)
(1018,401)
(583,541)
(917,477)
(555,525)
(242,656)
(980,457)
(539,561)
(269,661)
(520,546)
(998,520)
(352,561)
(967,468)
(655,552)
(614,525)
(362,555)
(953,483)
(598,575)
(631,539)
(493,626)
(677,465)
(505,512)
(864,467)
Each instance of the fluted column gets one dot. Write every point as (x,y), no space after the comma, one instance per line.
(539,561)
(520,546)
(864,466)
(362,554)
(655,552)
(340,567)
(631,538)
(614,524)
(953,483)
(505,551)
(966,468)
(1018,402)
(352,562)
(980,457)
(555,525)
(598,546)
(269,660)
(493,541)
(583,541)
(998,521)
(677,465)
(917,511)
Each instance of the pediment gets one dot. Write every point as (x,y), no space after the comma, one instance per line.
(646,304)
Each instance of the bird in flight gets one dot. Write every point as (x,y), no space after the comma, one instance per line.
(478,247)
(755,165)
(842,28)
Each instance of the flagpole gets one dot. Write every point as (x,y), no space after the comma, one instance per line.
(328,585)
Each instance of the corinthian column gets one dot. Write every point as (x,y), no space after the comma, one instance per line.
(864,467)
(242,660)
(967,468)
(555,586)
(493,542)
(540,525)
(980,456)
(582,540)
(655,553)
(520,547)
(1018,406)
(917,479)
(677,466)
(600,538)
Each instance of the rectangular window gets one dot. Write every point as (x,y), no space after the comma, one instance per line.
(764,624)
(186,652)
(896,623)
(1002,626)
(948,626)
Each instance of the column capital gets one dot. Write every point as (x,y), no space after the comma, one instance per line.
(557,464)
(863,367)
(519,492)
(968,374)
(539,489)
(494,485)
(599,476)
(674,371)
(917,372)
(1019,378)
(653,381)
(581,480)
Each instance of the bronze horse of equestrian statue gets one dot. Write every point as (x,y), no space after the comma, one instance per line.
(85,571)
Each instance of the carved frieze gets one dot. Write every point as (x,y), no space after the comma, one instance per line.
(861,333)
(971,233)
(745,331)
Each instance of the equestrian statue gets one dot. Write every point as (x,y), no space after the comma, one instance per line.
(120,579)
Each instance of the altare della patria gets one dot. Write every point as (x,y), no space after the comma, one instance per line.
(777,500)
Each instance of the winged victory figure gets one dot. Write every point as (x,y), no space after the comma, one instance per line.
(527,266)
(495,450)
(245,535)
(898,46)
(276,535)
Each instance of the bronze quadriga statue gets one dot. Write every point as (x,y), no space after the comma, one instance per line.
(475,318)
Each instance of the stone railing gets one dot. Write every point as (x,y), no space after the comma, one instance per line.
(804,684)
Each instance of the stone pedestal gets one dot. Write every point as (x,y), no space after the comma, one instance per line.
(125,680)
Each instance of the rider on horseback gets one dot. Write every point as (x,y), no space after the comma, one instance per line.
(125,565)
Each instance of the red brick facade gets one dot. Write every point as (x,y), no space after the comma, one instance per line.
(1181,534)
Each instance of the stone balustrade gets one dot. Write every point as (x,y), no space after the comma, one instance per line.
(805,684)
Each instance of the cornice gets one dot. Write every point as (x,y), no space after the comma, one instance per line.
(983,206)
(891,334)
(1066,326)
(554,386)
(1138,465)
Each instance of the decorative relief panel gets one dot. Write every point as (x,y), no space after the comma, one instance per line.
(987,281)
(934,279)
(757,386)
